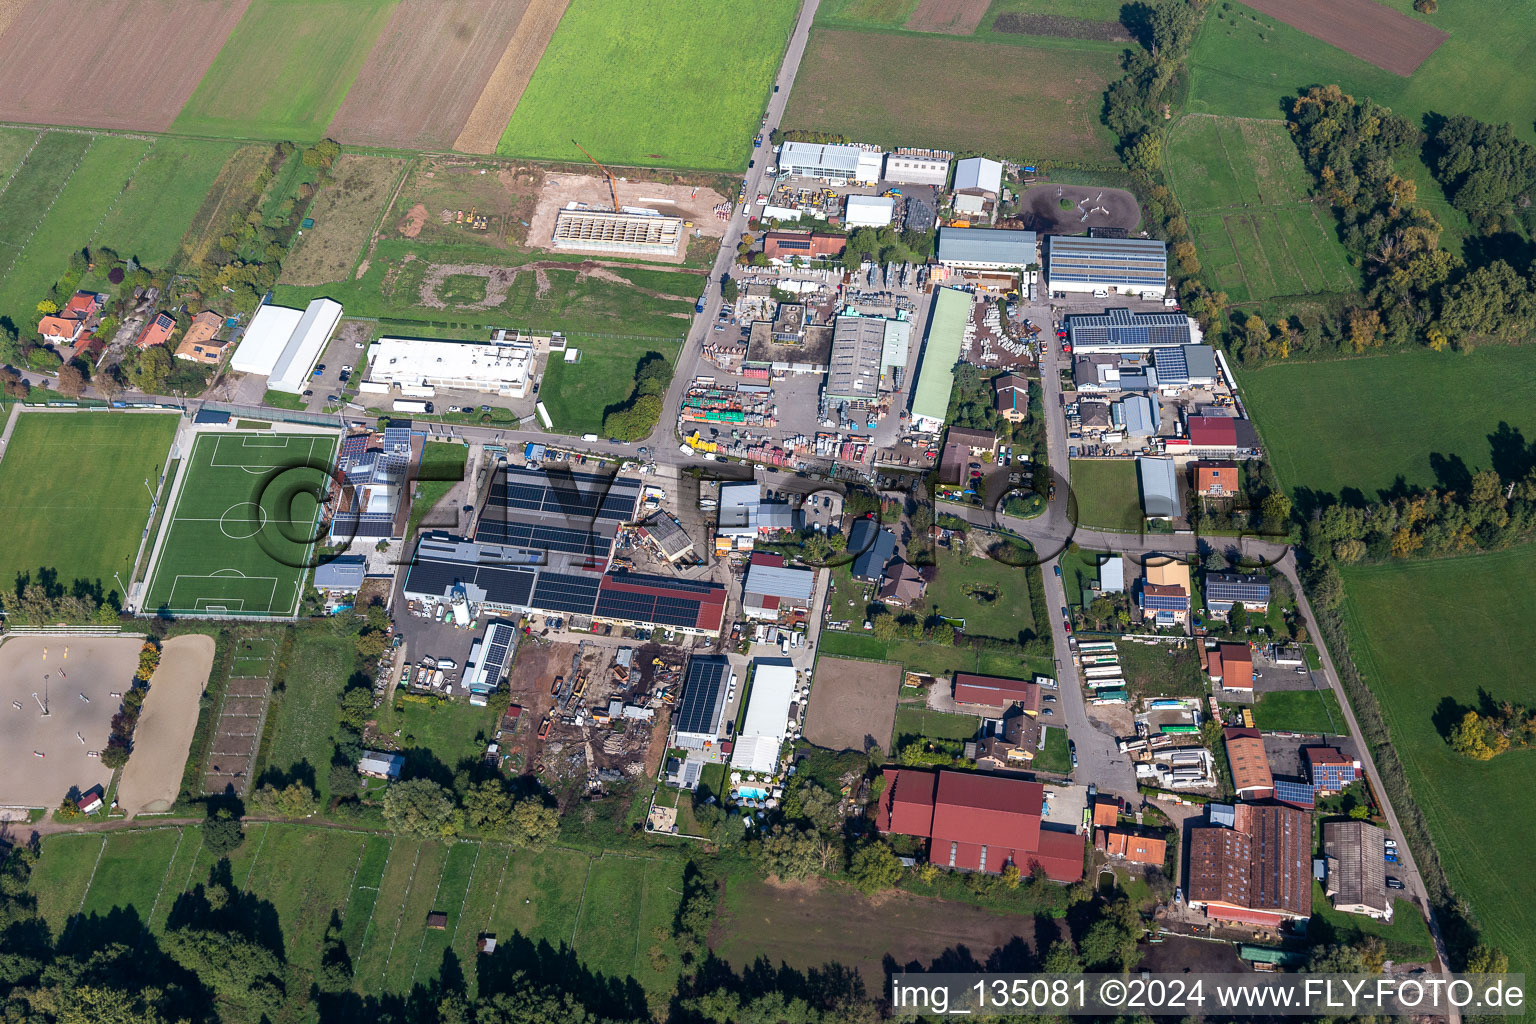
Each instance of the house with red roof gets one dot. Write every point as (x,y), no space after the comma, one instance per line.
(66,326)
(1213,433)
(157,332)
(1257,872)
(978,822)
(996,691)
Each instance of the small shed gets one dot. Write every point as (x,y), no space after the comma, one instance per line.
(437,919)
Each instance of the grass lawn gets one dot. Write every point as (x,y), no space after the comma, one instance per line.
(442,466)
(859,84)
(1162,670)
(71,200)
(304,709)
(852,645)
(149,219)
(1407,936)
(72,493)
(283,400)
(1300,711)
(285,69)
(933,659)
(451,731)
(576,394)
(991,596)
(243,525)
(1079,568)
(1428,637)
(1336,425)
(1245,191)
(1107,494)
(14,143)
(913,722)
(1055,755)
(663,83)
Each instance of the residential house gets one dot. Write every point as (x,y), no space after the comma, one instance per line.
(1329,770)
(1167,606)
(1126,845)
(341,575)
(904,585)
(198,344)
(1251,777)
(1225,589)
(1012,397)
(1231,665)
(976,442)
(871,547)
(1008,742)
(1257,872)
(978,822)
(1357,877)
(1106,812)
(996,691)
(1216,479)
(66,326)
(157,331)
(378,765)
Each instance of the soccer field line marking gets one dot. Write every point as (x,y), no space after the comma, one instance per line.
(266,521)
(362,946)
(246,885)
(404,898)
(465,901)
(416,965)
(88,883)
(168,864)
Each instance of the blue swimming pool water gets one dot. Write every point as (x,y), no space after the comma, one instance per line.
(749,793)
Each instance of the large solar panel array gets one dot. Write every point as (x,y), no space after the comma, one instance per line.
(699,710)
(352,448)
(641,607)
(1172,368)
(498,644)
(577,496)
(1164,602)
(544,538)
(397,439)
(1246,589)
(503,585)
(1120,328)
(566,592)
(1299,793)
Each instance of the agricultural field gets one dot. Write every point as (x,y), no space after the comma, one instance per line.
(503,91)
(151,216)
(425,73)
(345,213)
(243,525)
(1434,639)
(285,69)
(992,597)
(660,83)
(859,84)
(102,82)
(83,522)
(1107,494)
(314,670)
(1244,189)
(1246,64)
(605,908)
(28,198)
(1338,426)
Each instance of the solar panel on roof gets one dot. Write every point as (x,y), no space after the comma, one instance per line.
(699,710)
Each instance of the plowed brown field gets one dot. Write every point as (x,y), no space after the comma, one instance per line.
(427,69)
(1369,30)
(952,17)
(109,63)
(482,131)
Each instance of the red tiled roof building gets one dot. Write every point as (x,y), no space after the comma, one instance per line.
(978,822)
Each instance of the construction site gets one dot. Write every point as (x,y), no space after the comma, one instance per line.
(590,716)
(609,213)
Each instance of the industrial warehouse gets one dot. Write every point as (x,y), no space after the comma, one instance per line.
(502,366)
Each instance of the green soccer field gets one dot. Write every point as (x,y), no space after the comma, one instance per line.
(72,493)
(244,525)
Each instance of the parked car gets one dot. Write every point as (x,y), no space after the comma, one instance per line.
(1046,711)
(1395,883)
(1391,857)
(308,393)
(1049,698)
(1058,571)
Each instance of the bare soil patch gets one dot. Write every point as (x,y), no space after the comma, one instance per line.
(127,64)
(232,754)
(9,9)
(163,736)
(345,213)
(1371,31)
(810,925)
(1061,26)
(425,73)
(691,203)
(533,670)
(1091,207)
(414,220)
(951,17)
(853,704)
(493,108)
(76,676)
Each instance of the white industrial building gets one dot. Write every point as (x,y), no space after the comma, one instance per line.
(767,723)
(496,367)
(1107,266)
(835,163)
(917,167)
(979,176)
(869,211)
(283,344)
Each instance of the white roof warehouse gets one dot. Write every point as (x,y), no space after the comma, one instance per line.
(283,344)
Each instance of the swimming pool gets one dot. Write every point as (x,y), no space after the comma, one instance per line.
(751,793)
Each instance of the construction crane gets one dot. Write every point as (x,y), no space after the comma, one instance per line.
(613,188)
